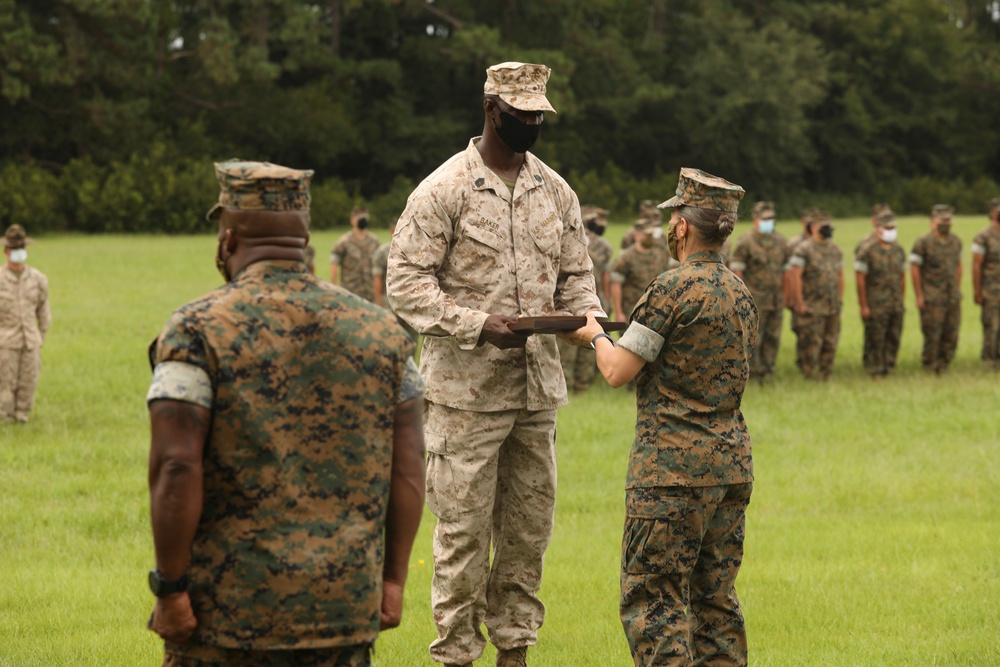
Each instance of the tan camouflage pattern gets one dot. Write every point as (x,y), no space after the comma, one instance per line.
(987,244)
(689,427)
(491,479)
(214,656)
(260,186)
(180,381)
(465,248)
(354,255)
(19,371)
(25,314)
(635,269)
(521,85)
(703,190)
(289,547)
(885,269)
(681,553)
(15,237)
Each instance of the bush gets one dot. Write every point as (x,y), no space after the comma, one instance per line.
(30,198)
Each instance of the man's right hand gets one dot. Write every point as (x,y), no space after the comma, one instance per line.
(496,333)
(173,618)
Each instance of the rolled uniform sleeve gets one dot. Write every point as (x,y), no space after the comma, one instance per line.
(179,381)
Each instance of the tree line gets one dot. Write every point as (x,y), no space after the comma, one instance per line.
(111,111)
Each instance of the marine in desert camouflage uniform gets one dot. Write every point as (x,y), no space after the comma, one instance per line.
(880,277)
(578,363)
(690,471)
(286,472)
(986,284)
(25,318)
(817,279)
(637,266)
(760,260)
(351,257)
(492,235)
(936,270)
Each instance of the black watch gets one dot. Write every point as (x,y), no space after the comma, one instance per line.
(163,587)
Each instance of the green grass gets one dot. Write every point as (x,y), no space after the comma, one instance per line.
(872,535)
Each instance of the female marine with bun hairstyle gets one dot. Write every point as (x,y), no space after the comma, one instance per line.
(690,473)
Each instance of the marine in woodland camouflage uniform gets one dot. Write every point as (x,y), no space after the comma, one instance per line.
(806,218)
(25,318)
(880,277)
(352,256)
(986,284)
(936,270)
(637,266)
(286,467)
(760,260)
(817,295)
(690,471)
(647,211)
(492,235)
(578,363)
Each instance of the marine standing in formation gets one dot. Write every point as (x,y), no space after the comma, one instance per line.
(936,269)
(25,318)
(351,258)
(986,284)
(817,279)
(492,235)
(690,472)
(760,260)
(880,275)
(638,265)
(286,470)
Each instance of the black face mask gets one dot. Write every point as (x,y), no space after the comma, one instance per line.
(826,231)
(595,228)
(518,135)
(363,223)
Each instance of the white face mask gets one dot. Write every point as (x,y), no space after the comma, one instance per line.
(656,232)
(19,256)
(888,235)
(766,226)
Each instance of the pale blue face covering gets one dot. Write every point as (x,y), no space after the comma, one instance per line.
(19,256)
(766,226)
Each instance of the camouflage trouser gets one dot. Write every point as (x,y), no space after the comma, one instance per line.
(768,341)
(203,655)
(817,344)
(795,330)
(882,334)
(19,370)
(681,552)
(491,477)
(579,365)
(991,333)
(939,321)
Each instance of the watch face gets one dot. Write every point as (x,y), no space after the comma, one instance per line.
(154,582)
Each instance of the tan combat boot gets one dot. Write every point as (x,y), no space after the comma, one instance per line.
(514,657)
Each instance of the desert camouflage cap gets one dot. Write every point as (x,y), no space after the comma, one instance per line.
(260,186)
(763,209)
(942,211)
(702,190)
(16,237)
(521,85)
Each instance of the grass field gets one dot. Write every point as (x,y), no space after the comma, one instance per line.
(872,535)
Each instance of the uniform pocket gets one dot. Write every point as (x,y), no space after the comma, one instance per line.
(661,536)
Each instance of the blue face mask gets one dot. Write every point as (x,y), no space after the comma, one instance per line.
(766,226)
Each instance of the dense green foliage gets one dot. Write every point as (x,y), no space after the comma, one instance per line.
(112,110)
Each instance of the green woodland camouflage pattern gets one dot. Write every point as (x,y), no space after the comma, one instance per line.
(819,329)
(885,270)
(938,260)
(354,255)
(987,244)
(465,248)
(690,430)
(702,190)
(307,377)
(491,478)
(521,85)
(261,186)
(214,656)
(635,269)
(681,553)
(762,259)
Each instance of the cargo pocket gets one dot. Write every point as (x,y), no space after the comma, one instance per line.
(659,536)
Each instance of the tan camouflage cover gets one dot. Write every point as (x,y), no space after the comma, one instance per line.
(15,237)
(260,186)
(521,85)
(703,190)
(25,315)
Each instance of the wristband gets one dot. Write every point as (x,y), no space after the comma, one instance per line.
(593,341)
